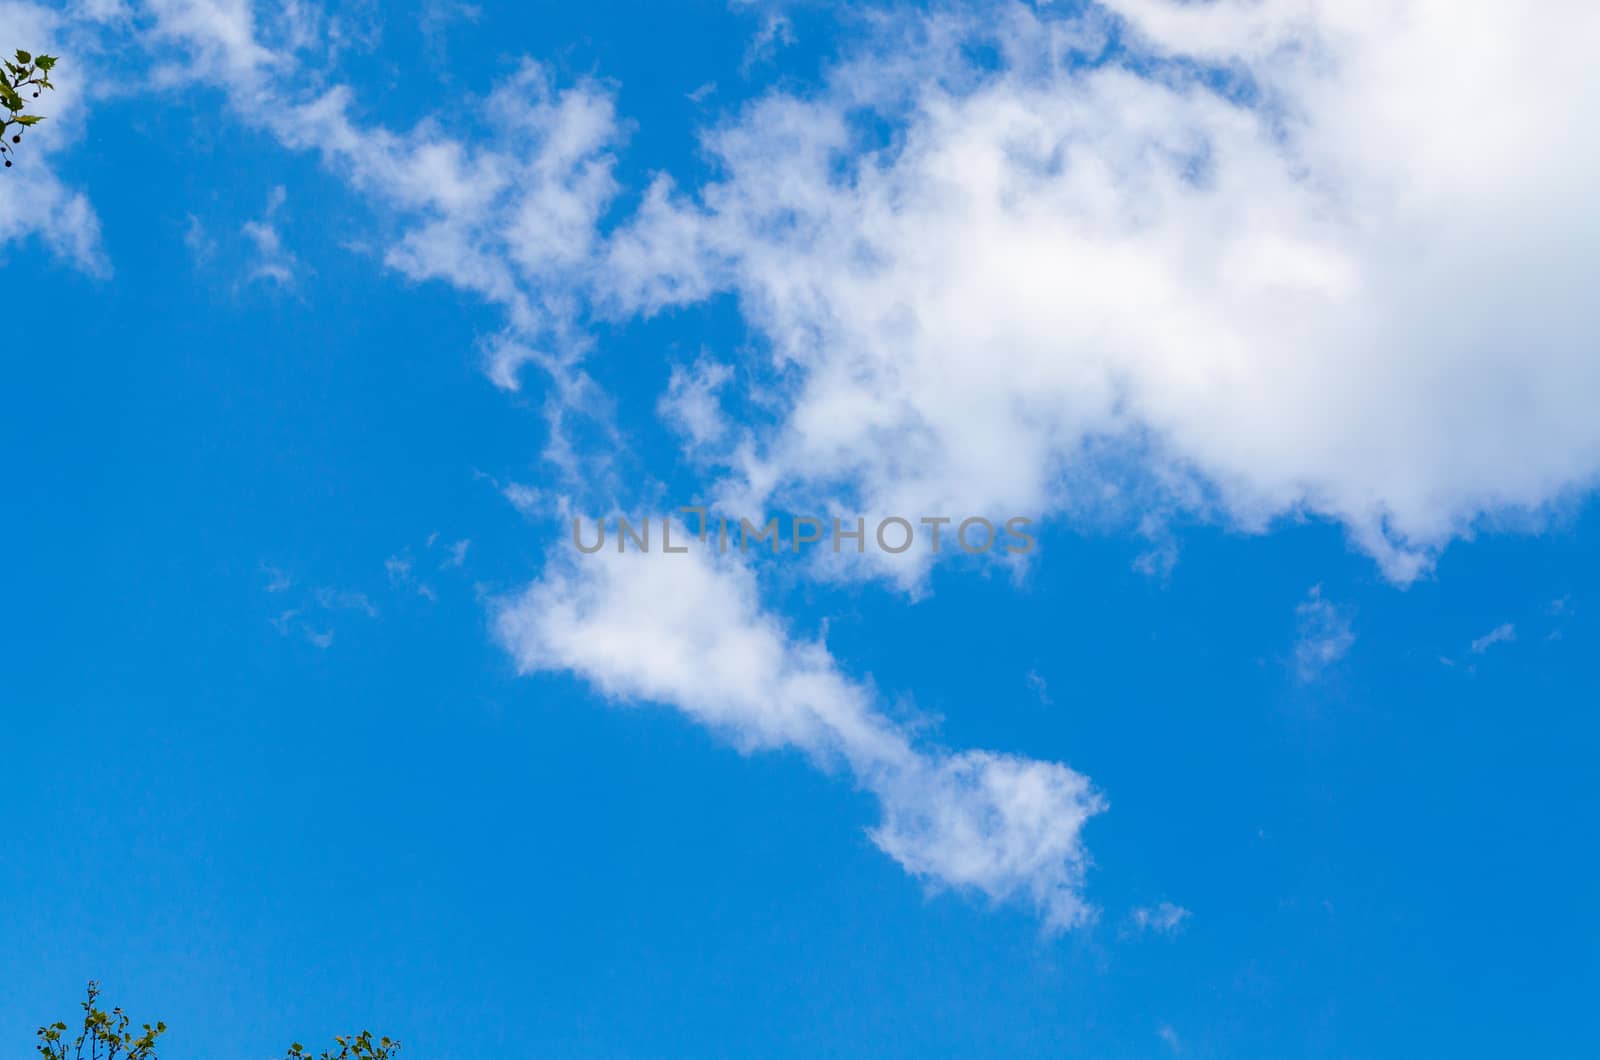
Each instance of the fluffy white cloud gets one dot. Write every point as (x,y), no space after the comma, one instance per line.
(218,40)
(689,631)
(1301,256)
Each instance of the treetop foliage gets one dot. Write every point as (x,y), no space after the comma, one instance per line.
(351,1047)
(105,1036)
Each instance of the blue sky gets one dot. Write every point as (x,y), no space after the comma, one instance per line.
(326,319)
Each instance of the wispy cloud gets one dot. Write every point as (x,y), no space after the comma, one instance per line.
(1325,635)
(399,570)
(277,580)
(199,242)
(436,20)
(691,403)
(346,600)
(1158,561)
(273,263)
(292,622)
(315,610)
(1163,919)
(776,32)
(1501,634)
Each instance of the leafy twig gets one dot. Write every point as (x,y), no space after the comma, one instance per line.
(20,81)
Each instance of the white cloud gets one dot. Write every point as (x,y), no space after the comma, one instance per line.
(277,580)
(198,241)
(289,621)
(533,502)
(1163,919)
(330,599)
(321,603)
(1353,282)
(399,571)
(223,31)
(689,631)
(1502,634)
(691,404)
(1325,634)
(1161,558)
(776,32)
(273,261)
(436,21)
(36,202)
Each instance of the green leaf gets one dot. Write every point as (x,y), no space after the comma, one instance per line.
(23,57)
(45,62)
(30,119)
